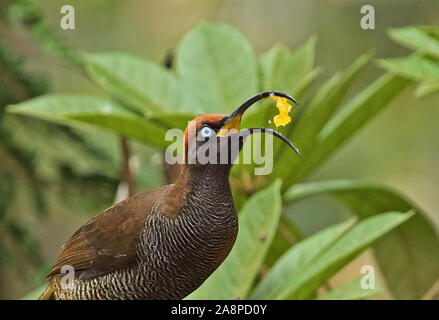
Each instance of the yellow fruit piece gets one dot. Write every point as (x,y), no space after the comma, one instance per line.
(284,107)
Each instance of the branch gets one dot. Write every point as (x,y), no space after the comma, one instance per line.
(127,174)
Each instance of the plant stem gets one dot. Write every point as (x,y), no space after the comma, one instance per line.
(127,174)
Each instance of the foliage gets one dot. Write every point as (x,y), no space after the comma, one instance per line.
(423,65)
(33,170)
(215,70)
(414,244)
(302,269)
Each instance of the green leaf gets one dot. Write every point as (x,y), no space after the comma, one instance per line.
(314,118)
(310,277)
(432,31)
(283,70)
(306,82)
(287,234)
(217,66)
(321,110)
(258,220)
(415,38)
(141,84)
(425,88)
(350,291)
(299,257)
(415,67)
(171,120)
(408,256)
(361,109)
(106,114)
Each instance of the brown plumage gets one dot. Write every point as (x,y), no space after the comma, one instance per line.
(161,243)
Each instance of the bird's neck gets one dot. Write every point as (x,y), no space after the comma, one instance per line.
(199,174)
(214,179)
(202,181)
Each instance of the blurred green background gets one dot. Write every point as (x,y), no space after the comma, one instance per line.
(399,147)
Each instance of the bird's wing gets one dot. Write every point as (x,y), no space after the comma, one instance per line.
(109,241)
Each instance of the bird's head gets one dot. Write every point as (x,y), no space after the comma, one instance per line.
(218,138)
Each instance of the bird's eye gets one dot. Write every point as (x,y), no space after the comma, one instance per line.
(206,132)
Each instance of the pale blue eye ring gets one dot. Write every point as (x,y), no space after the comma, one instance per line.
(206,132)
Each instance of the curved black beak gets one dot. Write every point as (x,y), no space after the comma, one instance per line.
(233,121)
(248,131)
(241,109)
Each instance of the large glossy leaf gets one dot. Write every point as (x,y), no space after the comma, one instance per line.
(416,38)
(140,83)
(217,66)
(351,291)
(258,220)
(309,278)
(106,114)
(298,257)
(408,256)
(361,109)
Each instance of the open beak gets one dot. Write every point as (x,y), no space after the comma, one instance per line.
(233,121)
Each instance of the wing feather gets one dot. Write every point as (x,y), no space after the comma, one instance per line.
(109,241)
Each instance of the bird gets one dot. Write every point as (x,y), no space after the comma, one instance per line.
(162,243)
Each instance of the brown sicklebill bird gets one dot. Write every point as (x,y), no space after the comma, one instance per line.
(165,242)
